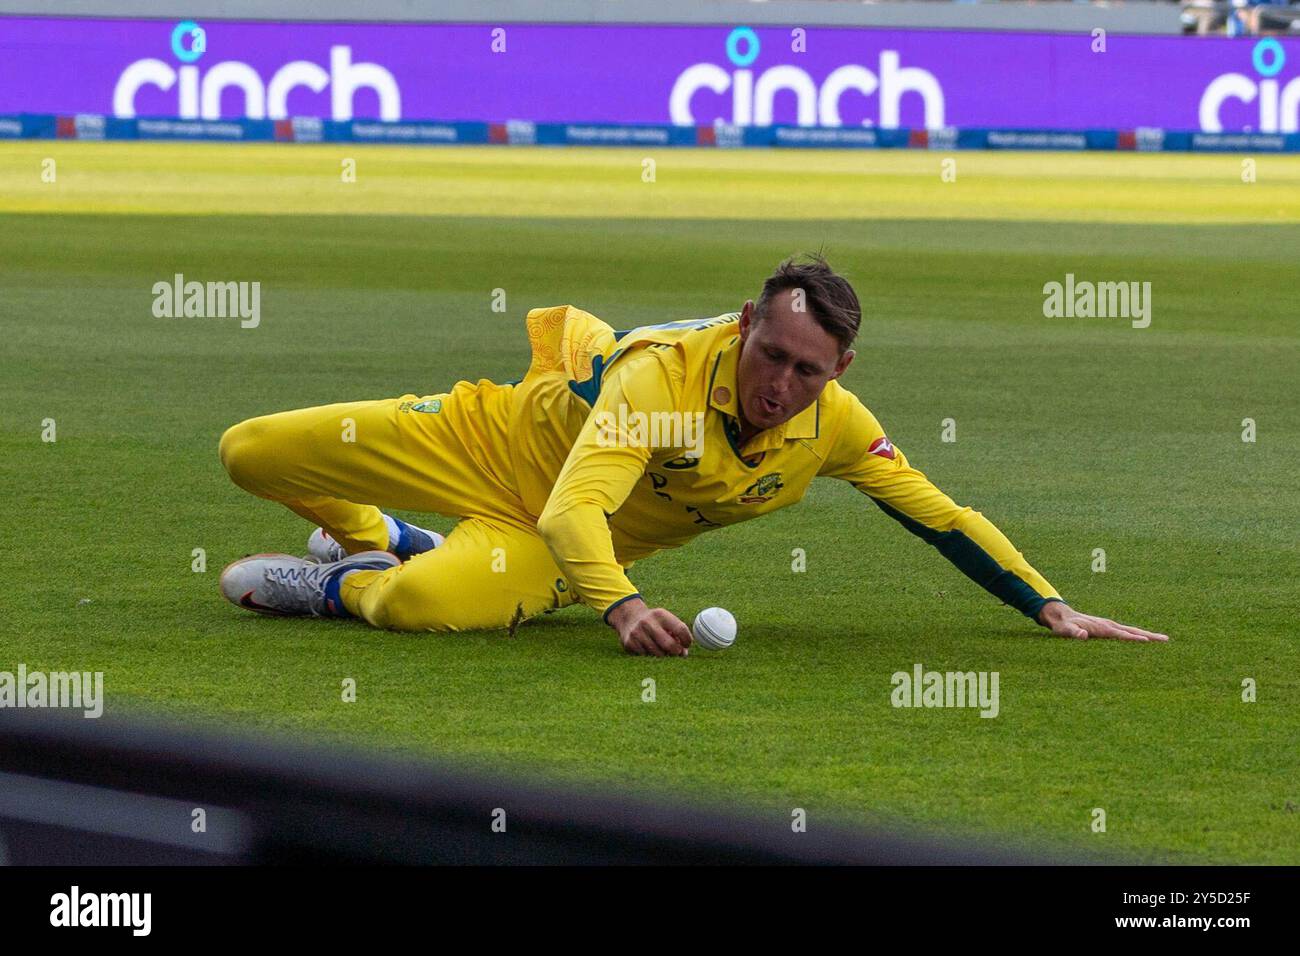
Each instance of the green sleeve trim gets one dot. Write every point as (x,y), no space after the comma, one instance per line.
(976,563)
(731,428)
(589,389)
(1046,601)
(622,600)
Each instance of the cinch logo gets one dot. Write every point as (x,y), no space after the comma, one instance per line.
(751,99)
(198,95)
(1277,109)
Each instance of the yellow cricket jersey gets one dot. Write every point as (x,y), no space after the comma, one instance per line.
(625,443)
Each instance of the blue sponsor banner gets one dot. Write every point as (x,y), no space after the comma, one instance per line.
(838,137)
(1022,139)
(430,133)
(1244,142)
(244,130)
(611,134)
(525,133)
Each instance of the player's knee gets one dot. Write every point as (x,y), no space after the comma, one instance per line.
(407,601)
(246,453)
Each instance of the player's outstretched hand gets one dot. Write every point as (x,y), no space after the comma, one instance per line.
(1065,621)
(650,630)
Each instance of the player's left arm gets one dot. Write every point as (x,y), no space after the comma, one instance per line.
(862,455)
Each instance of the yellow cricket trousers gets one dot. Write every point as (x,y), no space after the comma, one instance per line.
(338,465)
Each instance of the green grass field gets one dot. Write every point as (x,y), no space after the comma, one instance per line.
(1072,435)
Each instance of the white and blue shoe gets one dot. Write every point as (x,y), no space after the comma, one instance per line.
(405,541)
(283,585)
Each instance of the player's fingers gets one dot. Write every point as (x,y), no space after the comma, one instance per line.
(664,640)
(1070,629)
(671,629)
(671,623)
(650,641)
(1149,635)
(677,628)
(1133,633)
(1103,627)
(642,644)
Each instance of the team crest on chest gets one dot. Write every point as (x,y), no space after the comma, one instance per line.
(764,489)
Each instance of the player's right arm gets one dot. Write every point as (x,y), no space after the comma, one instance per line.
(866,458)
(605,463)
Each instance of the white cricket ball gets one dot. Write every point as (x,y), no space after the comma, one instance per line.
(714,628)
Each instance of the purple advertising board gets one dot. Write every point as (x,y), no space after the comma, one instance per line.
(700,75)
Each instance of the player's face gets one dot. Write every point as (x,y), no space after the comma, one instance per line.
(786,359)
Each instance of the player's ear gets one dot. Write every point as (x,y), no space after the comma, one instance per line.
(843,363)
(746,318)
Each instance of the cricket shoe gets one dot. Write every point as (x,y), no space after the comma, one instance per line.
(284,585)
(410,542)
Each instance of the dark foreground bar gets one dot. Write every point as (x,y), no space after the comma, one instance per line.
(112,791)
(115,814)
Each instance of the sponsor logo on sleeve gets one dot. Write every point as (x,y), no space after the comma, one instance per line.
(882,447)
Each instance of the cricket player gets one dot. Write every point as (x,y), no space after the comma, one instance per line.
(613,446)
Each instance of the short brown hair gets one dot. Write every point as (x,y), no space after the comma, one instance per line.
(828,296)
